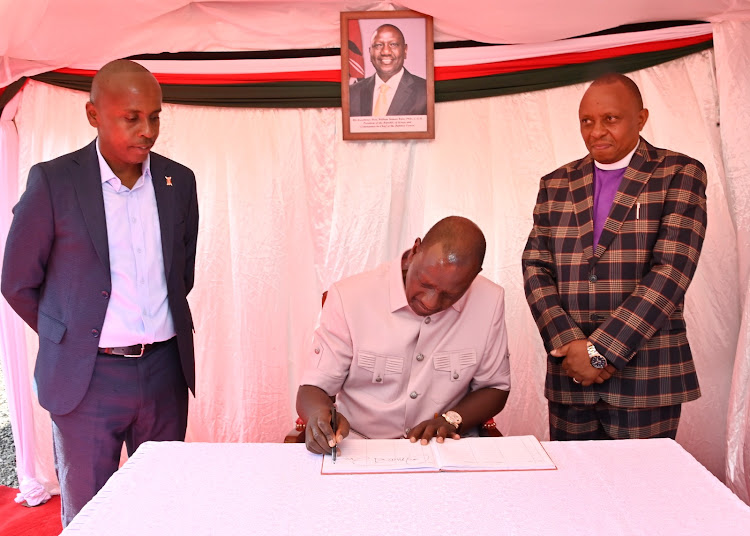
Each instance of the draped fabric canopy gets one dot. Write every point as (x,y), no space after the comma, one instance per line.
(287,207)
(42,36)
(463,70)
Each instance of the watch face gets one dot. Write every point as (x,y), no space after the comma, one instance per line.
(453,418)
(598,361)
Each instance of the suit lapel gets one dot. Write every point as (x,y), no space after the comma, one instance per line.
(636,176)
(87,182)
(581,190)
(403,94)
(164,193)
(369,89)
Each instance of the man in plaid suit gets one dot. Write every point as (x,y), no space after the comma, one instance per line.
(614,246)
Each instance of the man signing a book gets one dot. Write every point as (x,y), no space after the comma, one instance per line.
(416,348)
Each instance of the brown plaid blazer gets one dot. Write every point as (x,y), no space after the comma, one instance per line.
(627,295)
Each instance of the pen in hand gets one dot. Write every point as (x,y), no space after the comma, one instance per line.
(334,422)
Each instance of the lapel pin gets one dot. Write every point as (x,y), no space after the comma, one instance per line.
(169,181)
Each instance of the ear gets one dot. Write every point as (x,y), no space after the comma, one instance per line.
(410,255)
(642,118)
(91,114)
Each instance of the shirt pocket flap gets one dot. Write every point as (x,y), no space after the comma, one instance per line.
(380,365)
(454,362)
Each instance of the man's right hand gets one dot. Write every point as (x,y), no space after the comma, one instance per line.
(319,436)
(606,373)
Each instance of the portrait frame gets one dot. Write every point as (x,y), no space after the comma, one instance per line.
(416,91)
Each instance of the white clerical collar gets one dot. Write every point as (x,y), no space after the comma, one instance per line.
(620,163)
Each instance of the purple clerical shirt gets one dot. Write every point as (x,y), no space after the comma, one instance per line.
(606,183)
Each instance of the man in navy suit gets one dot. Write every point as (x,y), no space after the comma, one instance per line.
(392,90)
(99,260)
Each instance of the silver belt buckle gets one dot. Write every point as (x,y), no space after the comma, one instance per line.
(143,347)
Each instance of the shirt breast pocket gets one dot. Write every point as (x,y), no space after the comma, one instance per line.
(384,374)
(452,373)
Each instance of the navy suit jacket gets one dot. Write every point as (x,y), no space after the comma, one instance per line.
(410,97)
(56,272)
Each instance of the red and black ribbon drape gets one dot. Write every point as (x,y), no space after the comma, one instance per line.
(321,89)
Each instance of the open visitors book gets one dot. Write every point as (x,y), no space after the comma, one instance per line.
(512,453)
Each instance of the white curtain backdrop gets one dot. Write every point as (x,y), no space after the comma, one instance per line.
(732,42)
(287,208)
(12,343)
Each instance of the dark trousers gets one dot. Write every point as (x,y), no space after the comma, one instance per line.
(603,421)
(130,401)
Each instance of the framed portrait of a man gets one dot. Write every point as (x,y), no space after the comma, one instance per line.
(387,75)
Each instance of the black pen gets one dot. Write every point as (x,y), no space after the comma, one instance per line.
(334,422)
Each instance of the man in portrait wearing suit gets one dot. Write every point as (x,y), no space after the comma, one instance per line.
(392,90)
(614,245)
(99,260)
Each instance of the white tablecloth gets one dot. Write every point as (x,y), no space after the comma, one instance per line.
(632,487)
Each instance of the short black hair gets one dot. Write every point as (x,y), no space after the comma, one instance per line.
(615,78)
(392,27)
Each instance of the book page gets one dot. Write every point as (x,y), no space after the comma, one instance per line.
(380,456)
(492,454)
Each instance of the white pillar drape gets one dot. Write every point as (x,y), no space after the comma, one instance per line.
(288,207)
(733,76)
(13,353)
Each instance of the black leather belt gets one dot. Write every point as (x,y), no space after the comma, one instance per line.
(137,350)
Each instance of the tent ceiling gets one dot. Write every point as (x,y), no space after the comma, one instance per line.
(37,36)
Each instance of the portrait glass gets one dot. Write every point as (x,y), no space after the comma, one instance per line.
(387,80)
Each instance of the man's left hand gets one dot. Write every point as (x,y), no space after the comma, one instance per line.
(437,427)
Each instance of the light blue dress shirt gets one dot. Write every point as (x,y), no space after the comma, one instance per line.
(138,310)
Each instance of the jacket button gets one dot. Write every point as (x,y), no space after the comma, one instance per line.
(413,395)
(105,294)
(593,278)
(427,320)
(420,357)
(95,333)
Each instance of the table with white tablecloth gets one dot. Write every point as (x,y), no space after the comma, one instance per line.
(599,487)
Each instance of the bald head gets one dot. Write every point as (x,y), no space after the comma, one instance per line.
(124,107)
(119,74)
(439,269)
(461,239)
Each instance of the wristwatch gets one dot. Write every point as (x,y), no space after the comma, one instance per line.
(453,418)
(598,361)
